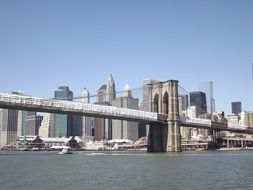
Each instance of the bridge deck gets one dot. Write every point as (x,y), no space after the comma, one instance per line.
(19,102)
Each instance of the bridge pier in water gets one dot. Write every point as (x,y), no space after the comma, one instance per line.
(157,139)
(164,138)
(163,98)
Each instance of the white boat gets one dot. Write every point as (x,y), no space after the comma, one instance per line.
(200,149)
(58,147)
(96,153)
(65,151)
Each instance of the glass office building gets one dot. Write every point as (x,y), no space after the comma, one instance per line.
(62,123)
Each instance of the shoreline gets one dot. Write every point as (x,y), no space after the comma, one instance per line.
(140,150)
(235,149)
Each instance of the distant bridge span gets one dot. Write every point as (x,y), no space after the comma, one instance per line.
(29,103)
(164,119)
(208,124)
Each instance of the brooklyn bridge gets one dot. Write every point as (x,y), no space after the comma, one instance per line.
(163,115)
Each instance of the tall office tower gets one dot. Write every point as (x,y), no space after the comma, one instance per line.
(102,126)
(85,96)
(105,96)
(33,122)
(207,88)
(47,126)
(76,126)
(63,123)
(87,127)
(236,107)
(211,98)
(198,99)
(125,129)
(9,127)
(107,92)
(110,90)
(99,123)
(22,125)
(101,94)
(183,103)
(144,106)
(63,93)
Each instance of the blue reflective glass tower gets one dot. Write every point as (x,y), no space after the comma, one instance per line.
(62,122)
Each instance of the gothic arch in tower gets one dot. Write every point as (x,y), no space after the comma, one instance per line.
(156,103)
(165,105)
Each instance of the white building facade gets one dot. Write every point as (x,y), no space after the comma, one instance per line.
(125,129)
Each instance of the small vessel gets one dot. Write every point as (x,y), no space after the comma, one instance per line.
(200,149)
(65,151)
(96,153)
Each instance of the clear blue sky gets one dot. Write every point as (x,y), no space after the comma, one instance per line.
(47,43)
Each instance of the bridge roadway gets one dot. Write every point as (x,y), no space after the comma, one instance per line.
(20,102)
(214,125)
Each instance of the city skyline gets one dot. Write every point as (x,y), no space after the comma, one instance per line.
(80,44)
(126,94)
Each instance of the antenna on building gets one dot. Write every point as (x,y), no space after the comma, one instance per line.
(252,70)
(211,96)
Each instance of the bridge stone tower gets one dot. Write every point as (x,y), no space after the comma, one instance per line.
(163,99)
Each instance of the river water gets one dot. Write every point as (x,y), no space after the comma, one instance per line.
(126,170)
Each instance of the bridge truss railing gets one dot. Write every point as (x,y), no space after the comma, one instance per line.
(209,124)
(13,101)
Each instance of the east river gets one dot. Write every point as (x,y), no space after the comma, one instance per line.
(126,170)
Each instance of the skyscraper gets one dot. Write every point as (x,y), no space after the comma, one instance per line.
(105,96)
(110,90)
(102,126)
(76,128)
(236,107)
(183,103)
(125,129)
(207,88)
(99,123)
(87,124)
(107,92)
(101,94)
(22,124)
(211,98)
(144,103)
(85,96)
(62,123)
(144,106)
(63,93)
(9,127)
(198,99)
